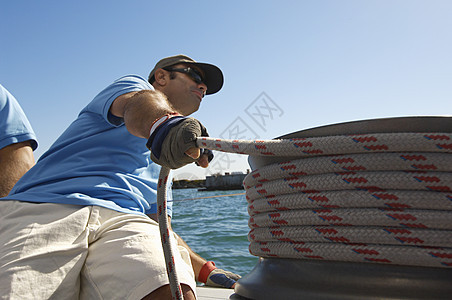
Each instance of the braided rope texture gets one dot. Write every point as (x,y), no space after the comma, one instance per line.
(162,215)
(375,198)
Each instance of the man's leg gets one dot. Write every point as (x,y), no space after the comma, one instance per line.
(125,259)
(42,249)
(164,292)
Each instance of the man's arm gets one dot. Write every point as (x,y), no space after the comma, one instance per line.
(15,160)
(140,109)
(213,276)
(196,260)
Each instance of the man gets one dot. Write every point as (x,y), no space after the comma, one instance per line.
(81,223)
(17,142)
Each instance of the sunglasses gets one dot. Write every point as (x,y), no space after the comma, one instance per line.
(192,73)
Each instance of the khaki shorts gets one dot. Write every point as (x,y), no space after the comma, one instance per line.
(59,251)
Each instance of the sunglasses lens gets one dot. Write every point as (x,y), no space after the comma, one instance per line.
(195,75)
(190,72)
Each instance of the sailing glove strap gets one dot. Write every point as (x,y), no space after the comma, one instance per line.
(171,136)
(212,276)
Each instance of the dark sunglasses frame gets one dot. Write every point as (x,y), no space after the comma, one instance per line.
(192,73)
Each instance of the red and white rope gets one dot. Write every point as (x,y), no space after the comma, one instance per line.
(438,162)
(382,198)
(334,145)
(162,215)
(353,235)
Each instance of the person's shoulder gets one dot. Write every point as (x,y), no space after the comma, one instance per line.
(6,98)
(133,78)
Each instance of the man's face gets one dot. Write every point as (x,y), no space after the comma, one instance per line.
(183,92)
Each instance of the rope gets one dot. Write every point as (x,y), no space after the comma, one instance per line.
(162,216)
(375,198)
(384,198)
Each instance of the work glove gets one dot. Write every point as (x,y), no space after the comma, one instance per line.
(171,136)
(212,276)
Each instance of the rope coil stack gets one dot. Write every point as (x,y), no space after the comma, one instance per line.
(376,198)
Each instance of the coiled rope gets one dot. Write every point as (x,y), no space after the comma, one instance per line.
(375,198)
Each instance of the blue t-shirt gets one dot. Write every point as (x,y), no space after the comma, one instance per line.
(14,125)
(96,161)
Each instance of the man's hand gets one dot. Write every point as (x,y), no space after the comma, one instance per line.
(173,143)
(212,276)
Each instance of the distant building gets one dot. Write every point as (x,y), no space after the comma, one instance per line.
(228,181)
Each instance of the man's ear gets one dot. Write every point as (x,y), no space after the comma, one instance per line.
(161,77)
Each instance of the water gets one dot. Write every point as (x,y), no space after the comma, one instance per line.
(216,228)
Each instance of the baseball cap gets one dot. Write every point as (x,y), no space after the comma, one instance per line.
(213,77)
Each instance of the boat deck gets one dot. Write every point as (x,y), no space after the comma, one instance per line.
(210,293)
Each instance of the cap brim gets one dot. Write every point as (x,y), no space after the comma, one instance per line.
(213,77)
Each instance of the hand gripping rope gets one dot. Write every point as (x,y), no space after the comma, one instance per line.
(375,198)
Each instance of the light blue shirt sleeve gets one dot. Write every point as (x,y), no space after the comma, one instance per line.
(14,125)
(102,102)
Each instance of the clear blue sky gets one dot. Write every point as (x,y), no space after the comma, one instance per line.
(317,62)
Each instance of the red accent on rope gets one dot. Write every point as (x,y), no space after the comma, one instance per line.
(277,233)
(338,239)
(273,202)
(410,240)
(376,147)
(355,180)
(445,146)
(298,174)
(397,231)
(365,139)
(413,157)
(424,167)
(439,188)
(313,256)
(436,137)
(319,198)
(330,218)
(303,249)
(355,168)
(285,168)
(280,222)
(441,255)
(427,178)
(298,185)
(304,144)
(413,225)
(343,160)
(402,217)
(327,230)
(366,251)
(287,240)
(398,205)
(386,196)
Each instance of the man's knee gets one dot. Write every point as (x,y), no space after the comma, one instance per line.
(164,292)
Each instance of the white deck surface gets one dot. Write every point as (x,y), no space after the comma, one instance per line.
(208,293)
